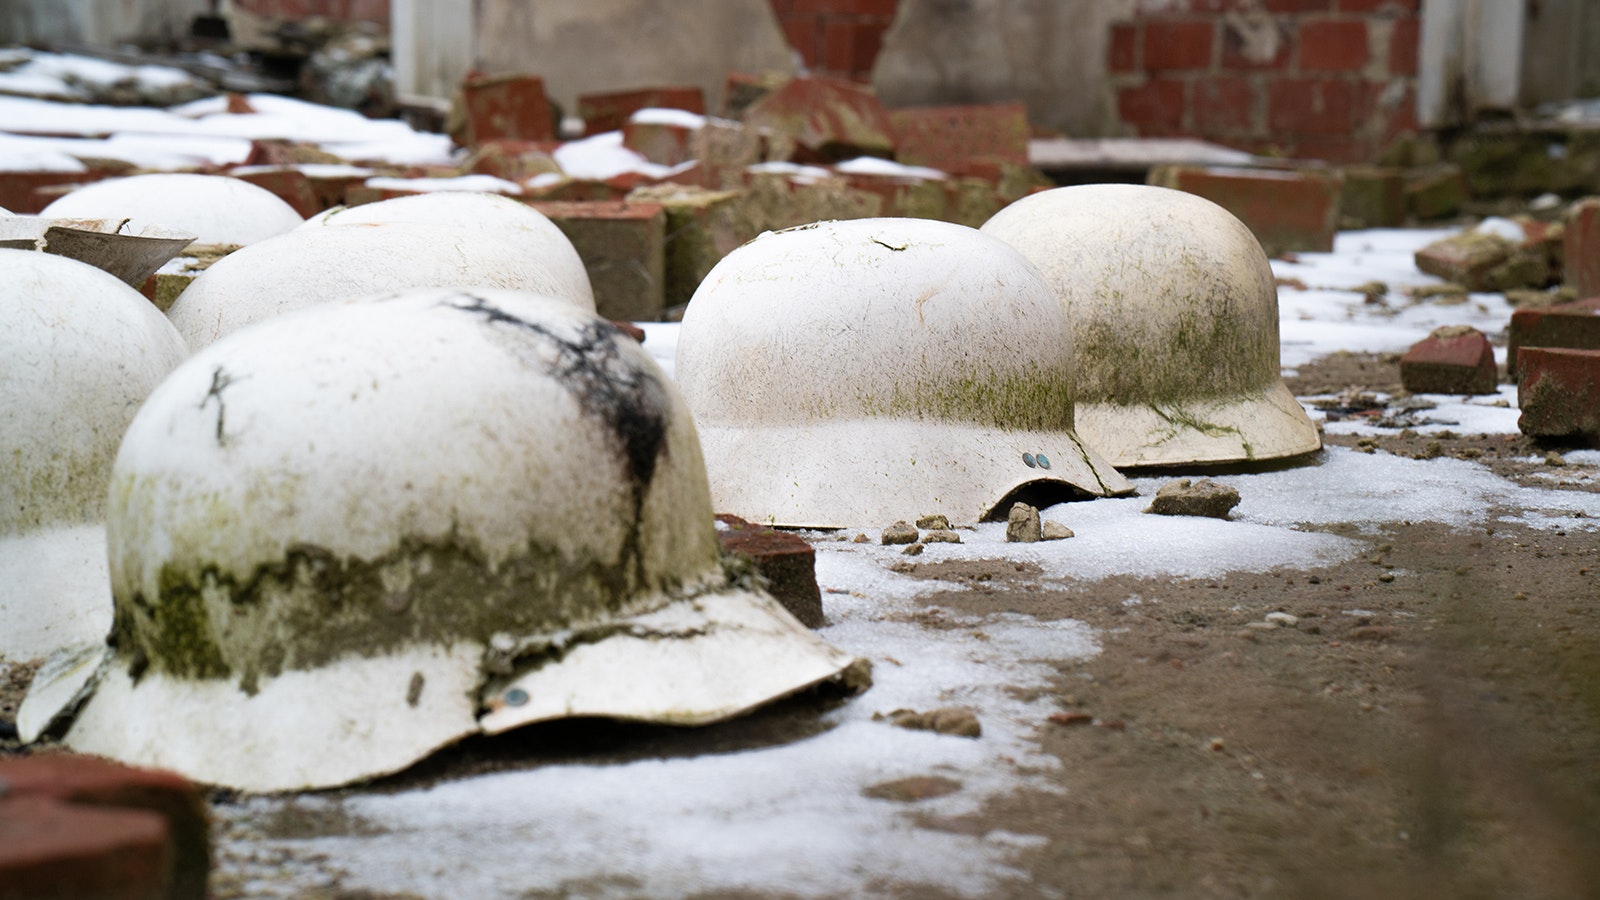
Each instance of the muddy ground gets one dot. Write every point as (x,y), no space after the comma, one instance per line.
(1424,723)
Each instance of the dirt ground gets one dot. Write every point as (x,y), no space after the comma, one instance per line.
(1425,722)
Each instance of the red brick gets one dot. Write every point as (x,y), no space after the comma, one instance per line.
(802,36)
(1311,106)
(1177,45)
(658,142)
(512,160)
(1156,106)
(58,851)
(1381,6)
(829,119)
(953,138)
(504,106)
(1404,41)
(610,111)
(1456,359)
(1223,104)
(1582,250)
(1238,55)
(1373,197)
(785,560)
(1574,326)
(1298,6)
(1287,209)
(1558,391)
(290,185)
(1123,53)
(74,784)
(623,247)
(19,191)
(1335,149)
(1333,46)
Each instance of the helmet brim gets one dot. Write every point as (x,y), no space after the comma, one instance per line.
(1265,425)
(57,591)
(690,662)
(873,472)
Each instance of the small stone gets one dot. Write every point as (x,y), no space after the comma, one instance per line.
(934,523)
(1071,718)
(1554,459)
(1386,577)
(910,790)
(862,539)
(1054,531)
(1282,618)
(1194,498)
(899,533)
(952,720)
(913,549)
(1371,633)
(945,536)
(1022,525)
(1217,745)
(1261,626)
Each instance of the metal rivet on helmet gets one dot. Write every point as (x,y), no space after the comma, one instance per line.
(348,536)
(79,351)
(878,369)
(1173,308)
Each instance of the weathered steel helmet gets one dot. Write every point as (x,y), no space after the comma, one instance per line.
(858,372)
(477,209)
(309,266)
(216,209)
(79,351)
(1172,305)
(344,538)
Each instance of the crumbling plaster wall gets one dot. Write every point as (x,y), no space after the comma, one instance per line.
(1050,54)
(609,45)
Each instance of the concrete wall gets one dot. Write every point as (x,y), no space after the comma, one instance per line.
(97,22)
(595,46)
(1049,54)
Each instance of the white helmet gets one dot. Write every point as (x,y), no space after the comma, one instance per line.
(309,266)
(476,209)
(864,371)
(344,538)
(1173,308)
(79,351)
(217,209)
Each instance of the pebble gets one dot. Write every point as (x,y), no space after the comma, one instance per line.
(1262,626)
(1386,577)
(954,720)
(1022,524)
(934,523)
(1283,618)
(1054,531)
(899,533)
(941,536)
(1194,498)
(1554,459)
(910,790)
(1071,718)
(913,549)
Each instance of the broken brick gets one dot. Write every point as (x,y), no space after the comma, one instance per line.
(610,111)
(1455,359)
(513,160)
(290,185)
(785,560)
(1558,392)
(1373,197)
(1436,192)
(828,119)
(23,192)
(94,828)
(955,138)
(1582,247)
(622,245)
(1286,209)
(663,143)
(502,107)
(1484,261)
(1573,325)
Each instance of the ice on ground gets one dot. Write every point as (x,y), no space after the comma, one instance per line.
(873,165)
(484,183)
(603,156)
(1481,414)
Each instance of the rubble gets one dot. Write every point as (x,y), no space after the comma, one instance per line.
(1454,359)
(1185,497)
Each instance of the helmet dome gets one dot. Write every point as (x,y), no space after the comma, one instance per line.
(79,351)
(845,373)
(1173,308)
(309,266)
(216,209)
(346,537)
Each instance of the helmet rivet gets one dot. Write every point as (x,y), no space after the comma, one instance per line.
(516,697)
(1027,460)
(1043,461)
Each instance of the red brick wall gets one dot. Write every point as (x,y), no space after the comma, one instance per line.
(1319,79)
(342,10)
(836,37)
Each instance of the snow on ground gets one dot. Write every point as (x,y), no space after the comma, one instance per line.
(792,819)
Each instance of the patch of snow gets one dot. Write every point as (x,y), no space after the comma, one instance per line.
(872,165)
(485,183)
(603,156)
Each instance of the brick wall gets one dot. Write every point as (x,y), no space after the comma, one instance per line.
(1317,79)
(836,37)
